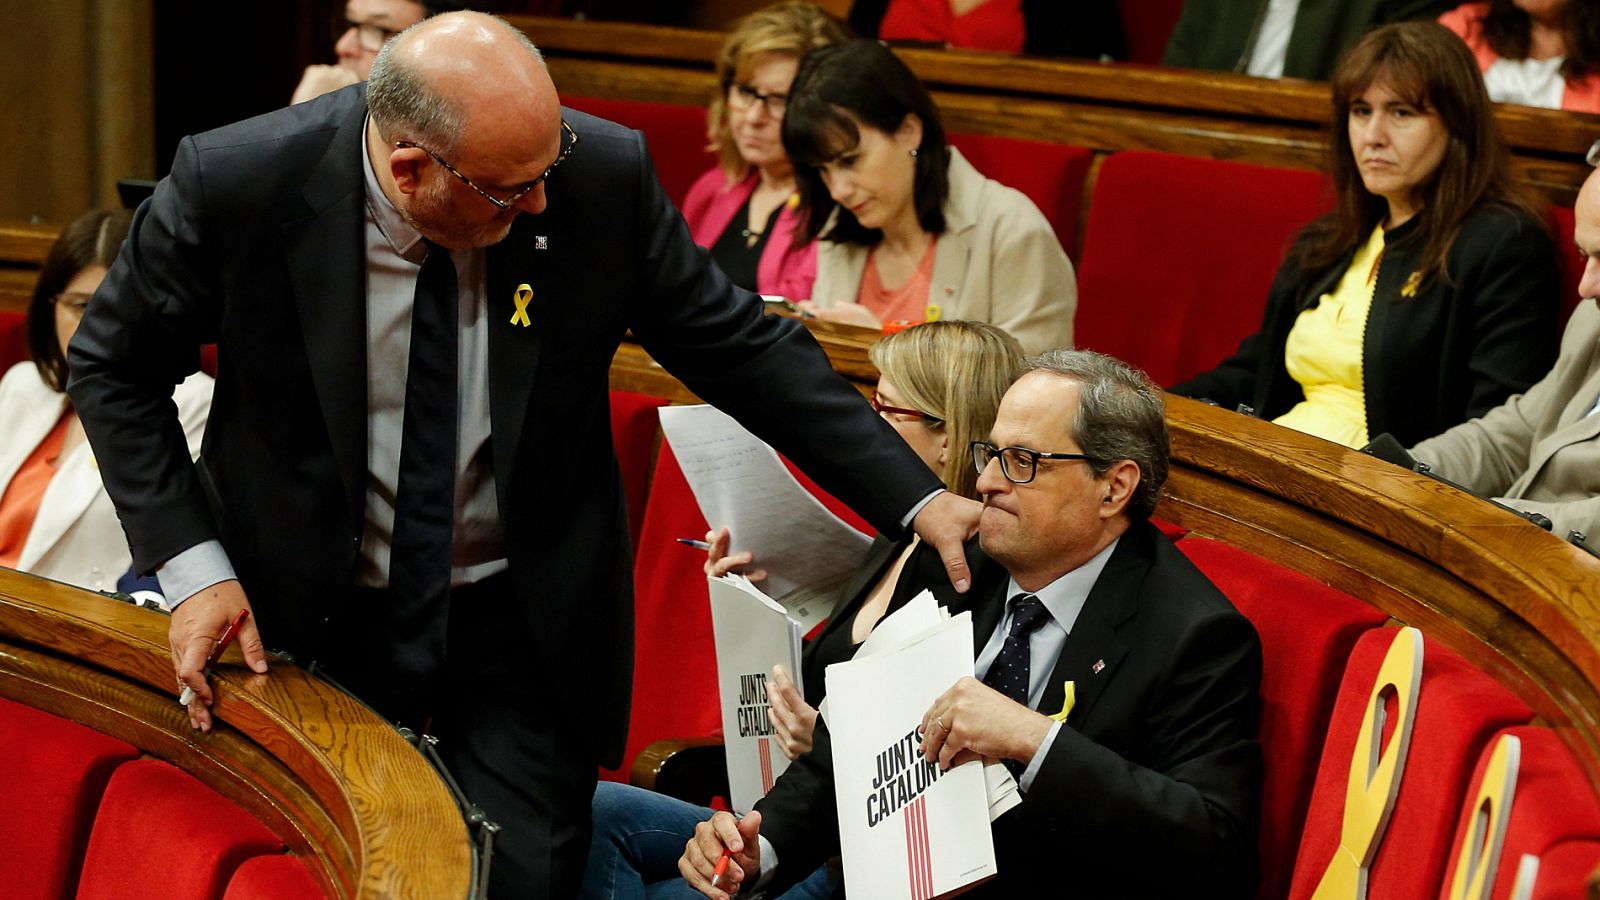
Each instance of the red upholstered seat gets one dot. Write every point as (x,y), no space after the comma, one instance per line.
(1178,255)
(674,668)
(676,135)
(1571,262)
(1459,709)
(13,339)
(1051,175)
(161,833)
(50,784)
(273,878)
(1564,871)
(633,431)
(1146,25)
(1307,630)
(1551,804)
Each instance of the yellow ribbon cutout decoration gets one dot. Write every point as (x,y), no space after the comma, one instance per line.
(523,297)
(1067,702)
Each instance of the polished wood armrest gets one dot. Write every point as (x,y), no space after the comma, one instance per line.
(691,769)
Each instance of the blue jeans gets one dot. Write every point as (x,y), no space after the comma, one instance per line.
(639,836)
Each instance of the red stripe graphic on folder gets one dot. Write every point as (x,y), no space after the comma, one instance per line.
(919,862)
(763,752)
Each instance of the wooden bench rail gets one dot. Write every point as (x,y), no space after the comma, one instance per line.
(1518,602)
(1104,106)
(337,784)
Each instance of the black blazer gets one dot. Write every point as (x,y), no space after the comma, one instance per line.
(1429,362)
(255,241)
(1152,787)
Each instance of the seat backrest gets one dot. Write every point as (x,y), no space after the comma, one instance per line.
(273,878)
(1178,254)
(1458,710)
(1571,263)
(13,338)
(160,832)
(1307,630)
(1564,871)
(1548,806)
(634,425)
(1051,175)
(50,785)
(1147,25)
(675,134)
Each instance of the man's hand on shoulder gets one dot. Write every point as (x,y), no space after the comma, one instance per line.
(722,832)
(972,717)
(197,624)
(945,523)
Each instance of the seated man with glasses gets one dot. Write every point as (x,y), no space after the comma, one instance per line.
(358,33)
(1150,784)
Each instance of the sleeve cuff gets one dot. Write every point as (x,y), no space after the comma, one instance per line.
(769,863)
(194,570)
(908,518)
(1032,771)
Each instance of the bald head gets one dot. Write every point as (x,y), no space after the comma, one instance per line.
(1586,233)
(463,77)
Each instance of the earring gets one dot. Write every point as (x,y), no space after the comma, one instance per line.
(913,153)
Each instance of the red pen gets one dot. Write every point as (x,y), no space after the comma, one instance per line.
(722,867)
(228,635)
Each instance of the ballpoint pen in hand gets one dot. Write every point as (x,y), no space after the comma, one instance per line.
(232,631)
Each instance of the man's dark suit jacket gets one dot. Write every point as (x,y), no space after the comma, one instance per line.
(256,241)
(1152,788)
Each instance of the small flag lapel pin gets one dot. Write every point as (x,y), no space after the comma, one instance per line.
(1098,665)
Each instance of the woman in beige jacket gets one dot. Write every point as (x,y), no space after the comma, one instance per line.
(909,230)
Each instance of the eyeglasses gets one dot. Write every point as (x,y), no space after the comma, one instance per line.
(742,96)
(569,140)
(369,35)
(1019,464)
(73,302)
(879,407)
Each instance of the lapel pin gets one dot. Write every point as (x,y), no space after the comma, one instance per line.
(540,242)
(933,313)
(1098,665)
(522,298)
(1413,282)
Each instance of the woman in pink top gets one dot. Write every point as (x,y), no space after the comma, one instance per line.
(1534,52)
(1084,28)
(745,210)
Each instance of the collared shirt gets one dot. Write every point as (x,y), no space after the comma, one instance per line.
(1271,48)
(394,250)
(1064,599)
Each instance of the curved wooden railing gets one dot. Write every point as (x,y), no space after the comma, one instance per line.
(1518,602)
(338,785)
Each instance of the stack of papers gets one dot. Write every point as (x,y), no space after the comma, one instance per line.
(752,634)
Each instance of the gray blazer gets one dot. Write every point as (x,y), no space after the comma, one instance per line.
(1538,451)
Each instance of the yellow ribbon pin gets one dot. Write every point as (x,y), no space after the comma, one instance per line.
(1067,701)
(523,297)
(1412,284)
(933,313)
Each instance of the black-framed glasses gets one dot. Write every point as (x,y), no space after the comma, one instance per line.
(1019,464)
(370,35)
(74,302)
(742,96)
(881,407)
(569,140)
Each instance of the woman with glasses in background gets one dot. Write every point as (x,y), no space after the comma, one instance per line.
(746,210)
(55,517)
(907,229)
(939,387)
(358,33)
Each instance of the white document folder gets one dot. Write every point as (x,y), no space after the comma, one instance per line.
(753,633)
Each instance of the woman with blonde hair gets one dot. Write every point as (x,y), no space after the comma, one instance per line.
(746,211)
(939,387)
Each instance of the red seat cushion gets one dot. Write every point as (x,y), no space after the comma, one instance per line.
(1551,804)
(675,662)
(1564,871)
(1459,709)
(633,430)
(1307,630)
(1186,248)
(675,134)
(50,784)
(161,833)
(13,338)
(273,878)
(1051,175)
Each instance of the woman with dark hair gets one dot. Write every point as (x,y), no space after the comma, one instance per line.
(1430,293)
(55,517)
(1534,52)
(909,230)
(746,210)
